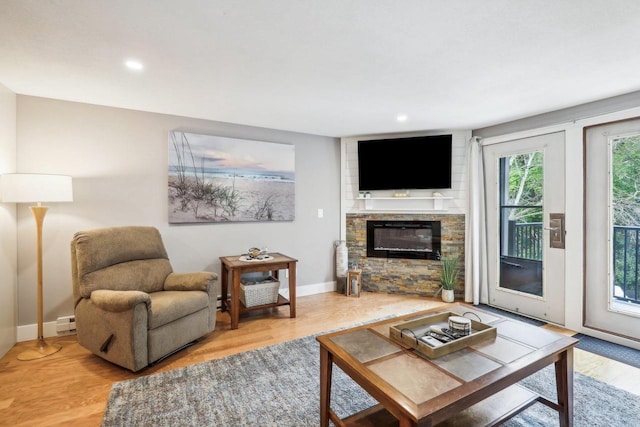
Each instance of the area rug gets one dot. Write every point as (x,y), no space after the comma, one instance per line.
(278,385)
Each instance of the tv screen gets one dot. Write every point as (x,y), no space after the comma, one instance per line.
(422,162)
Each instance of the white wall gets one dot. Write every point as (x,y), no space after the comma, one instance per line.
(8,257)
(118,160)
(349,187)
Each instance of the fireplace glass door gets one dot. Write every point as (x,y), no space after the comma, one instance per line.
(403,239)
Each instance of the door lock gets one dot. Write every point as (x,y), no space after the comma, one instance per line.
(556,230)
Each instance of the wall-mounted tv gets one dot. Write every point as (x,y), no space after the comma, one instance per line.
(422,162)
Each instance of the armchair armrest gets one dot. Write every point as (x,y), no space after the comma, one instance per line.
(199,281)
(117,301)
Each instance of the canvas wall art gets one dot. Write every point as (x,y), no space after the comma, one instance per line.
(220,179)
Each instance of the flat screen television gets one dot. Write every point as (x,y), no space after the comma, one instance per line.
(422,162)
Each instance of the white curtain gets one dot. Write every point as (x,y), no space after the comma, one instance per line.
(476,286)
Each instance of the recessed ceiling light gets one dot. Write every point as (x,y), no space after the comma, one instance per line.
(133,64)
(401,117)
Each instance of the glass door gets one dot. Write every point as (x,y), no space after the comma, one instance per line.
(612,228)
(521,217)
(525,213)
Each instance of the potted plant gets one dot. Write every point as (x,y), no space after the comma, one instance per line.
(448,277)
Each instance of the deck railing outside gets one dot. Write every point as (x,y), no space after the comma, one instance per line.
(525,240)
(626,249)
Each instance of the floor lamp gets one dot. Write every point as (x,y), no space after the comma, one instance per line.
(37,188)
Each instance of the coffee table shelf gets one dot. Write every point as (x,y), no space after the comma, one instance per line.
(492,411)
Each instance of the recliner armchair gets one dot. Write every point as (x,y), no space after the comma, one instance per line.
(130,307)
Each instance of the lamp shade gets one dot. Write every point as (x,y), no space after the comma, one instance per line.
(34,187)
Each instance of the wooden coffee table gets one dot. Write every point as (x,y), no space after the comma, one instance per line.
(475,386)
(233,267)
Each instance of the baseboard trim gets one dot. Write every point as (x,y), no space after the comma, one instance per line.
(303,291)
(30,332)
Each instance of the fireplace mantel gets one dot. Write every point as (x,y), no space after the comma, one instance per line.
(422,204)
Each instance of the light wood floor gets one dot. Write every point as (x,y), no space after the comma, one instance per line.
(71,387)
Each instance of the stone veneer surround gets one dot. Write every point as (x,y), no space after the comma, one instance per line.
(405,276)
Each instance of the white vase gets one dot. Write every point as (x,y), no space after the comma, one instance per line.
(342,259)
(447,295)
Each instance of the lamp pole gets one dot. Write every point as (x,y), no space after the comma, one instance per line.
(44,348)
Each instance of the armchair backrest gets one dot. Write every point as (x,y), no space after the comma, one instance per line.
(118,258)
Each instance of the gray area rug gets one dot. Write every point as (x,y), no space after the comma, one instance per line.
(279,386)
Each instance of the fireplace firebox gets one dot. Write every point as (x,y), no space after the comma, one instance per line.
(403,239)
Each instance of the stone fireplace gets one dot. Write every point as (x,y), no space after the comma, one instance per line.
(405,259)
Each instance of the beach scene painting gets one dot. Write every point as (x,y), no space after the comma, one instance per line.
(220,179)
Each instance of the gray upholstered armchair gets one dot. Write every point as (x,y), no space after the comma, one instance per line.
(130,307)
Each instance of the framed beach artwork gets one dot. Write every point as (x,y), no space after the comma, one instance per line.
(220,179)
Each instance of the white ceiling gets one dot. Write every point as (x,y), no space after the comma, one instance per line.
(327,67)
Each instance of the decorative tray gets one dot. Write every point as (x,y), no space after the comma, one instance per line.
(410,333)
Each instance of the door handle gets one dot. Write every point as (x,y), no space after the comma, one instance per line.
(557,231)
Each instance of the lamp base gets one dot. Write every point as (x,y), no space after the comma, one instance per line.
(43,349)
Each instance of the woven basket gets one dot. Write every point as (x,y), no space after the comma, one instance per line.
(262,292)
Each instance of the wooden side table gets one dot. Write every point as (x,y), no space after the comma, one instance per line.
(357,276)
(232,268)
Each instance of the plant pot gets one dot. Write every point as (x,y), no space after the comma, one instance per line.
(447,295)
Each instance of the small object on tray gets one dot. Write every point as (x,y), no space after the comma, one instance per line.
(440,337)
(430,341)
(446,332)
(255,252)
(460,324)
(257,259)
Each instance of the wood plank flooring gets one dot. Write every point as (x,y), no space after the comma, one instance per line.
(71,387)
